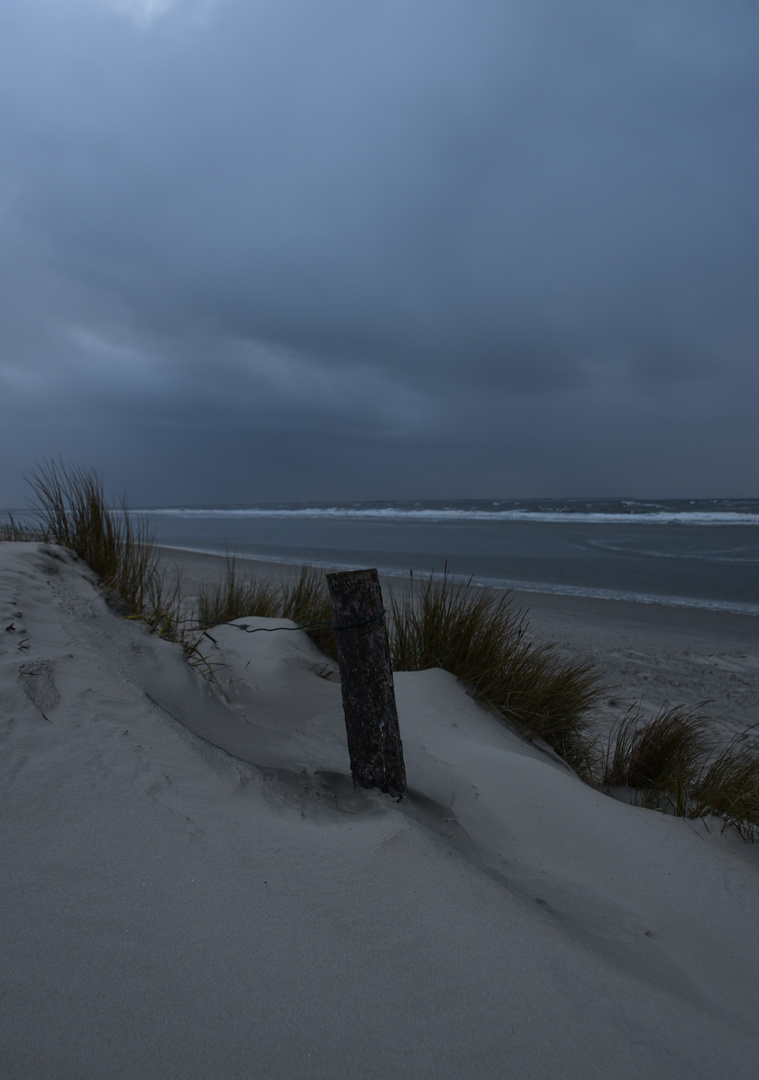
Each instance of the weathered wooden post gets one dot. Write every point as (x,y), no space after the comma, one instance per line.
(371,716)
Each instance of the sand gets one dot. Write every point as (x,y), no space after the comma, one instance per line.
(191,887)
(649,656)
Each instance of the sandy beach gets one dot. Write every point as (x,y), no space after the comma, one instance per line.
(192,887)
(651,655)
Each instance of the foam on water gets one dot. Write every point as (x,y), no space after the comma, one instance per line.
(597,512)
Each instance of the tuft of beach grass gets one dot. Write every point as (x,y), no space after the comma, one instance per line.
(671,764)
(727,787)
(72,511)
(12,530)
(482,638)
(233,597)
(659,758)
(304,600)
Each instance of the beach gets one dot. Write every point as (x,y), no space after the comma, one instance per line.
(649,655)
(192,886)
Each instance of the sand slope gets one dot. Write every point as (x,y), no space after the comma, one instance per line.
(171,910)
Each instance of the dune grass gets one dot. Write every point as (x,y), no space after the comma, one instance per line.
(72,511)
(12,530)
(233,598)
(304,600)
(483,639)
(728,787)
(661,758)
(671,764)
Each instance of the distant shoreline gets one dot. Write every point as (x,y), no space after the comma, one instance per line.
(527,588)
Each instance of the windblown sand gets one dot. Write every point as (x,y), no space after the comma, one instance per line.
(191,887)
(649,656)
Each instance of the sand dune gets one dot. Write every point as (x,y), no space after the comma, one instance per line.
(193,888)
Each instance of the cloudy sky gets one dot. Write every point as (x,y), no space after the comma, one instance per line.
(333,249)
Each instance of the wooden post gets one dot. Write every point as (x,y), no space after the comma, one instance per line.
(371,716)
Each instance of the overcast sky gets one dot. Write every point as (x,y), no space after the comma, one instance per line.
(340,249)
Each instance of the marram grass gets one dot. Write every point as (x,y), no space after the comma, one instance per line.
(72,511)
(12,530)
(728,787)
(233,598)
(483,639)
(660,758)
(304,600)
(671,764)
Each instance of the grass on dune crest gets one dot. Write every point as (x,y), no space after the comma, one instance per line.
(660,758)
(728,787)
(483,639)
(671,764)
(72,511)
(234,597)
(304,600)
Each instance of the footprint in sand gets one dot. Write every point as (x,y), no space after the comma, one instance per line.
(38,684)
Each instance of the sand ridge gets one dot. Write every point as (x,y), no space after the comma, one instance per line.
(192,887)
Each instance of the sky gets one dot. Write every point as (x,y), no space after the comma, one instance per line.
(257,250)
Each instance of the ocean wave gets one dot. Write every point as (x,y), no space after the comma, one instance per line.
(455,516)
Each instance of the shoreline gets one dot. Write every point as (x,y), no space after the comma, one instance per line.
(656,655)
(520,585)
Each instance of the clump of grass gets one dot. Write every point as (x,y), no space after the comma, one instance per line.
(304,600)
(233,598)
(483,640)
(728,787)
(661,758)
(672,765)
(72,512)
(12,530)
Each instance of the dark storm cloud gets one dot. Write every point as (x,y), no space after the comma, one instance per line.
(392,249)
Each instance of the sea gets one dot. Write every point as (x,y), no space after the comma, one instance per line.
(700,553)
